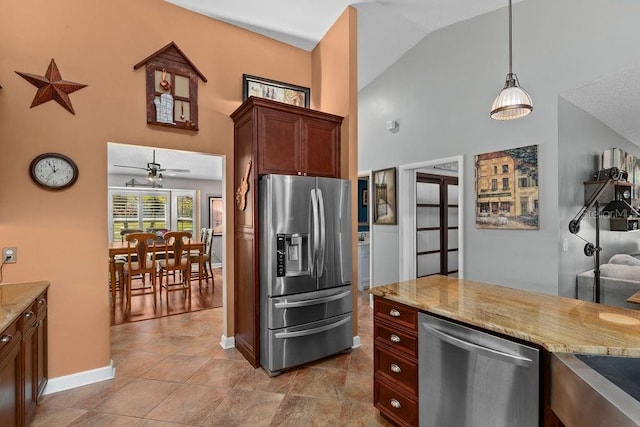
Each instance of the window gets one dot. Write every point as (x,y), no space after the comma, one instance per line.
(524,182)
(505,168)
(505,183)
(184,212)
(494,185)
(144,210)
(495,170)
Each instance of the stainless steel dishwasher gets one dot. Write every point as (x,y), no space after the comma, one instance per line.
(469,378)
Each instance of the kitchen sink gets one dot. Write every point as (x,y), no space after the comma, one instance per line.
(622,371)
(595,390)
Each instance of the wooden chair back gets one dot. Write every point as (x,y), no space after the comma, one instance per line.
(125,231)
(141,248)
(178,244)
(208,241)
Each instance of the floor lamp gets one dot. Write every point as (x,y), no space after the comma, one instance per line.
(574,226)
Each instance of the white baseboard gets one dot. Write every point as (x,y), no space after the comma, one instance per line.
(78,379)
(356,342)
(227,342)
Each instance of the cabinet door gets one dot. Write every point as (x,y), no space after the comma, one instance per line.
(10,376)
(278,142)
(42,356)
(30,364)
(320,147)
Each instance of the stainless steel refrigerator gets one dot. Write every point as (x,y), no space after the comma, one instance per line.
(305,270)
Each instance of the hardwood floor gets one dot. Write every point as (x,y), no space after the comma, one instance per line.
(142,307)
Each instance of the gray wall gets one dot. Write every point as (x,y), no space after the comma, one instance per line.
(441,92)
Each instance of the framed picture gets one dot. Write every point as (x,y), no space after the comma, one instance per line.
(272,89)
(365,197)
(215,215)
(507,193)
(384,204)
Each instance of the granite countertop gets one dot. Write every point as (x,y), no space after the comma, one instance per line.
(558,324)
(16,297)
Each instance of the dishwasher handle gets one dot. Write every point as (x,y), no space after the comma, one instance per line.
(475,348)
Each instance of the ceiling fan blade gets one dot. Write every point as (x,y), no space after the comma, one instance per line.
(175,170)
(130,167)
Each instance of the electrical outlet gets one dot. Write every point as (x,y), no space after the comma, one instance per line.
(9,255)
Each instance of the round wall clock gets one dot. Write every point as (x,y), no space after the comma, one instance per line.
(53,171)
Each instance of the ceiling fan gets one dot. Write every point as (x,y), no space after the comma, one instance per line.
(154,169)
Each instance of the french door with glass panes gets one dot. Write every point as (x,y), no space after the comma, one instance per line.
(436,225)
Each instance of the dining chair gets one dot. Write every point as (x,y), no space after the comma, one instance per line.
(141,260)
(126,231)
(203,260)
(177,246)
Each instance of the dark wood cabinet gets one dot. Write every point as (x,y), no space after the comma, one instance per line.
(395,361)
(10,375)
(290,140)
(41,369)
(34,355)
(23,364)
(270,138)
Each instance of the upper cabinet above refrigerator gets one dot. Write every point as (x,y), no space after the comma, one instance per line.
(290,140)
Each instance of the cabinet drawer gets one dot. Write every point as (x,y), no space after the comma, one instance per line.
(395,312)
(396,368)
(395,339)
(29,316)
(8,338)
(41,303)
(395,405)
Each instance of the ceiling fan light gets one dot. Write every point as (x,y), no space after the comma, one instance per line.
(512,102)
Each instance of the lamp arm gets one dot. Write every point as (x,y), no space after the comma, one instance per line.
(574,224)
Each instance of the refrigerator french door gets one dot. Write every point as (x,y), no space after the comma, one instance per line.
(305,269)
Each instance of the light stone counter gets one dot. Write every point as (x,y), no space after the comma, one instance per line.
(16,297)
(558,324)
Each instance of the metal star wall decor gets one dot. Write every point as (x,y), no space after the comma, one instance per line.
(52,87)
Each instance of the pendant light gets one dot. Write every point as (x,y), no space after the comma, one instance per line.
(512,102)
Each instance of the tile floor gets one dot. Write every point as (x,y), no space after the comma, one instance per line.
(171,371)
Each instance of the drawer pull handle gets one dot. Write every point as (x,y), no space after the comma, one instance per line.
(6,338)
(395,368)
(394,338)
(29,315)
(395,404)
(42,301)
(37,324)
(394,313)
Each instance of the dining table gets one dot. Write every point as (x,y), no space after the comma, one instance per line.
(121,248)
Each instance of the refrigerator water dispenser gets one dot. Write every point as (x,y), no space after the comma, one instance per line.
(293,254)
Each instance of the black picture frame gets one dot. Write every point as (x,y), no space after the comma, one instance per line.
(384,193)
(287,93)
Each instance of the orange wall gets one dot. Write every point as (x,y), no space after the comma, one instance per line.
(335,90)
(62,236)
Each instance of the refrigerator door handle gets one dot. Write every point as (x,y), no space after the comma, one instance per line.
(297,334)
(323,237)
(316,231)
(309,302)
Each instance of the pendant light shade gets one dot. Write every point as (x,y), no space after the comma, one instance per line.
(512,102)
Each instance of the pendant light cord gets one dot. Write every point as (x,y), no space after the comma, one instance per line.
(510,60)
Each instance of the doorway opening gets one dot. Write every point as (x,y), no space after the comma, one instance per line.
(419,238)
(159,190)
